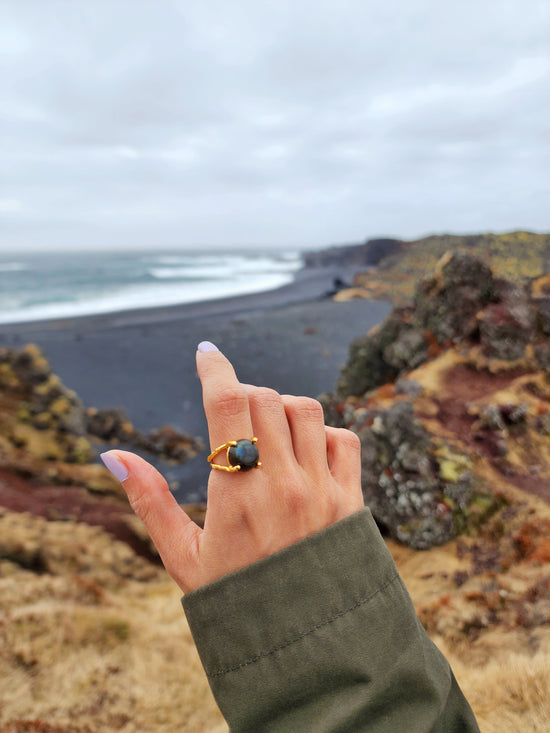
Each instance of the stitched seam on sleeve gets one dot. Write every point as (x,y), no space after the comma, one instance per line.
(325,622)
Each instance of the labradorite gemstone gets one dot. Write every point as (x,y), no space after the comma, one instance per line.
(245,454)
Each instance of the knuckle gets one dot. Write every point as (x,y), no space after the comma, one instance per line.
(141,505)
(350,440)
(230,401)
(268,398)
(310,409)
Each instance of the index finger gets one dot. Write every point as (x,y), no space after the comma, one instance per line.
(224,398)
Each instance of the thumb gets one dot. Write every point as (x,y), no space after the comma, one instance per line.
(174,534)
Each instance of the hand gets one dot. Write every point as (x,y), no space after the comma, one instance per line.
(310,477)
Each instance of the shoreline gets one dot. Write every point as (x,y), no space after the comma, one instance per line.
(307,283)
(294,339)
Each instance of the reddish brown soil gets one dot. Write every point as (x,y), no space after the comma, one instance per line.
(71,503)
(462,385)
(464,382)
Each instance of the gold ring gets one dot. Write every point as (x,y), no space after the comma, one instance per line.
(242,455)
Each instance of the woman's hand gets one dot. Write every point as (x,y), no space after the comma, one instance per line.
(310,477)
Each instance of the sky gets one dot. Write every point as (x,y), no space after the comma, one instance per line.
(194,123)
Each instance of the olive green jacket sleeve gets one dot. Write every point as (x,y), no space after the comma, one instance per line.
(322,637)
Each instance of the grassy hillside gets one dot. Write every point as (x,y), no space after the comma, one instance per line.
(92,637)
(517,256)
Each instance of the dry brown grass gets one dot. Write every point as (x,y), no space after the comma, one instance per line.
(493,627)
(98,640)
(88,649)
(510,693)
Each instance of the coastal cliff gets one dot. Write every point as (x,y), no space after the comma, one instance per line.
(372,252)
(395,266)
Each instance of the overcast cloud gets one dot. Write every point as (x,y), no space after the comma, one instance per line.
(202,122)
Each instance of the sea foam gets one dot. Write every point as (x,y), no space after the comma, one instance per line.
(49,286)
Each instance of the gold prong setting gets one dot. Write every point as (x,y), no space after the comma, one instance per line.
(242,455)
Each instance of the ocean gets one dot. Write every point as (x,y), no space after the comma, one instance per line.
(44,286)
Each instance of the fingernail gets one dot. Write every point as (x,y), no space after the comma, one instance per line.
(116,467)
(206,346)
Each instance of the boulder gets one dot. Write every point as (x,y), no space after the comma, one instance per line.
(507,325)
(30,365)
(367,366)
(417,492)
(170,444)
(111,425)
(334,409)
(447,303)
(408,351)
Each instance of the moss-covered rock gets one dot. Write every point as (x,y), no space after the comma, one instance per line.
(367,366)
(417,491)
(447,302)
(114,426)
(48,421)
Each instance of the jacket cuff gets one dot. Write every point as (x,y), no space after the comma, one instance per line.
(322,636)
(255,612)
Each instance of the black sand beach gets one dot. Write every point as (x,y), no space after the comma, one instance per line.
(293,339)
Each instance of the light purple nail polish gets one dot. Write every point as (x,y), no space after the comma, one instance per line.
(206,346)
(116,467)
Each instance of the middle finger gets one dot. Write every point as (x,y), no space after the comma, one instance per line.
(307,428)
(271,426)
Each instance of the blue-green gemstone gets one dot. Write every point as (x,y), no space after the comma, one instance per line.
(245,454)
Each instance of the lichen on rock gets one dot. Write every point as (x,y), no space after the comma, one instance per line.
(447,302)
(414,492)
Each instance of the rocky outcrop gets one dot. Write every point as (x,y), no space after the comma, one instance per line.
(518,256)
(508,323)
(114,427)
(462,301)
(40,416)
(419,487)
(379,357)
(446,304)
(457,378)
(415,488)
(49,465)
(47,421)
